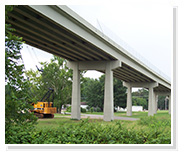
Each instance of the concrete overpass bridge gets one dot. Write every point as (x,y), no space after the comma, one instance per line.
(60,31)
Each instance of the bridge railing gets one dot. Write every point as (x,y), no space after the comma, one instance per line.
(106,31)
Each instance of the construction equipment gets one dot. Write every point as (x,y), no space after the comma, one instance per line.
(44,108)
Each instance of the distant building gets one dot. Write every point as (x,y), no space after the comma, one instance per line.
(134,109)
(83,105)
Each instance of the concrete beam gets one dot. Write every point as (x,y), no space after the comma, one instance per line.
(95,65)
(141,84)
(126,84)
(163,93)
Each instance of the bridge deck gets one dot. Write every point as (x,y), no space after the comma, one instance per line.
(44,33)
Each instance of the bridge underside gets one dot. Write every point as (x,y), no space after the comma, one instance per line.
(85,50)
(39,31)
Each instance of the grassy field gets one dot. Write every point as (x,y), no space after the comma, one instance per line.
(160,114)
(62,120)
(147,130)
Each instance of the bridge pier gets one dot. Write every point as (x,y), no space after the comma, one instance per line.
(155,103)
(152,101)
(169,107)
(106,66)
(169,98)
(76,93)
(108,94)
(129,98)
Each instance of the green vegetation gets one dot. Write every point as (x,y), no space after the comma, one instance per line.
(69,109)
(61,130)
(92,92)
(20,124)
(17,115)
(55,75)
(140,98)
(143,114)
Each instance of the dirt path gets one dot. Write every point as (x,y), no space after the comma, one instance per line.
(92,116)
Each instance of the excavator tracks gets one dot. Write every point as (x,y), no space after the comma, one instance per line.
(42,116)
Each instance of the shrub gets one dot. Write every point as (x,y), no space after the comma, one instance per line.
(68,109)
(91,109)
(98,109)
(83,110)
(88,132)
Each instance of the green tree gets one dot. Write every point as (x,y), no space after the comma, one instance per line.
(139,101)
(161,102)
(58,76)
(55,75)
(17,115)
(119,94)
(140,98)
(35,88)
(93,92)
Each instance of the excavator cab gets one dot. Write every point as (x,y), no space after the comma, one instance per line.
(44,108)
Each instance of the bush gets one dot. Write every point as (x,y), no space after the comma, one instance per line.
(156,131)
(19,134)
(68,109)
(83,110)
(91,109)
(88,132)
(98,109)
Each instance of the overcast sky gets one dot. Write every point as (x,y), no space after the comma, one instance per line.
(147,28)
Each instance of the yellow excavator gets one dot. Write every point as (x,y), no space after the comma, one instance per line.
(44,108)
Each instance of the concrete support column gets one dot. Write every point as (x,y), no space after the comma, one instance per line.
(129,101)
(155,102)
(129,98)
(169,106)
(108,94)
(150,102)
(168,97)
(76,95)
(106,66)
(152,99)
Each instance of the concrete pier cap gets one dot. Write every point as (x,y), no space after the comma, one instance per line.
(108,67)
